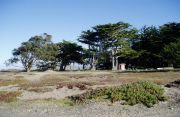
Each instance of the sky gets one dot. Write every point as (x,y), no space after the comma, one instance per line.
(66,19)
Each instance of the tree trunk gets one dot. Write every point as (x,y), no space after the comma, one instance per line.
(64,68)
(61,67)
(117,63)
(28,69)
(83,66)
(114,62)
(90,58)
(93,63)
(170,65)
(73,66)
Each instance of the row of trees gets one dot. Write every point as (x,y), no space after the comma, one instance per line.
(158,47)
(41,52)
(107,45)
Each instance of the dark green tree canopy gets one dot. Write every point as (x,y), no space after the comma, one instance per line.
(171,53)
(28,53)
(69,53)
(103,39)
(170,32)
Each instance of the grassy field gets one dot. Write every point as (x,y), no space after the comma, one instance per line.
(89,78)
(71,83)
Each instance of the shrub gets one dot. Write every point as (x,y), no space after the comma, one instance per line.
(70,85)
(81,86)
(176,84)
(143,92)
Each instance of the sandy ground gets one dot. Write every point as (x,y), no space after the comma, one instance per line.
(170,108)
(54,94)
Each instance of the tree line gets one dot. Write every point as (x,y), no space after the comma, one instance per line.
(107,46)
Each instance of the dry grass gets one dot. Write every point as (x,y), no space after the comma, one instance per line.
(8,96)
(52,80)
(90,79)
(19,77)
(48,80)
(156,77)
(84,80)
(15,81)
(40,89)
(51,102)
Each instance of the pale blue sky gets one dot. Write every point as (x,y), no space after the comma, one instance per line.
(65,19)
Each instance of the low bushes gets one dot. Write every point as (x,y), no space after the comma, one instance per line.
(70,85)
(176,84)
(143,92)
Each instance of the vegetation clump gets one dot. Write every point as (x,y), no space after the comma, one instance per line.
(174,84)
(143,92)
(80,85)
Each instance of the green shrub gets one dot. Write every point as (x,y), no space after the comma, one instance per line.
(143,92)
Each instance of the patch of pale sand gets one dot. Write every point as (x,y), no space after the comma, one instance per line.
(55,94)
(50,71)
(9,88)
(173,94)
(6,76)
(36,76)
(83,72)
(104,86)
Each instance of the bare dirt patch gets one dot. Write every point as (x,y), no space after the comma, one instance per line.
(54,94)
